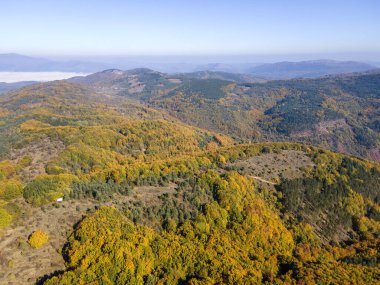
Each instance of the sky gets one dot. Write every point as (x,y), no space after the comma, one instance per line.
(191,28)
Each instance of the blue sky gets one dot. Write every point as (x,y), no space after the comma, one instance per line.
(166,27)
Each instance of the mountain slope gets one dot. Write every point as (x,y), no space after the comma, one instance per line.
(340,113)
(232,215)
(335,112)
(5,87)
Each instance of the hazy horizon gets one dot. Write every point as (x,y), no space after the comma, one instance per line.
(172,36)
(163,63)
(255,30)
(231,59)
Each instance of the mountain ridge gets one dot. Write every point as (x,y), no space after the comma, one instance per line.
(268,71)
(308,69)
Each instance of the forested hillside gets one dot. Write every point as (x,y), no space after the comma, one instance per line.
(148,199)
(336,113)
(340,113)
(5,87)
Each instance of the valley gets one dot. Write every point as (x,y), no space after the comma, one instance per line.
(336,112)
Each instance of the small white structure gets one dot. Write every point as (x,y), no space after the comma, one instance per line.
(60,199)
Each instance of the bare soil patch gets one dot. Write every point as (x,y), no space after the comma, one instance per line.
(40,152)
(272,167)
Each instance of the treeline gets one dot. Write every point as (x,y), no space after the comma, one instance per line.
(297,110)
(338,195)
(234,238)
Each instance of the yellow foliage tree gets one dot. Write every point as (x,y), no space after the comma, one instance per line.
(38,238)
(5,218)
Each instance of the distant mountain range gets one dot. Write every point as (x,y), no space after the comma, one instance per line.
(17,63)
(235,77)
(308,69)
(268,71)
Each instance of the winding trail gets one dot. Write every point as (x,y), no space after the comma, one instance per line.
(262,180)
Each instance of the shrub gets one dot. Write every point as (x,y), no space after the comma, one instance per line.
(5,219)
(10,189)
(47,188)
(38,238)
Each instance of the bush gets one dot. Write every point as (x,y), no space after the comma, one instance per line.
(38,238)
(5,219)
(98,190)
(47,188)
(10,189)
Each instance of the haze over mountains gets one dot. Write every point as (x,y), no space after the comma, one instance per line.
(308,69)
(280,70)
(17,63)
